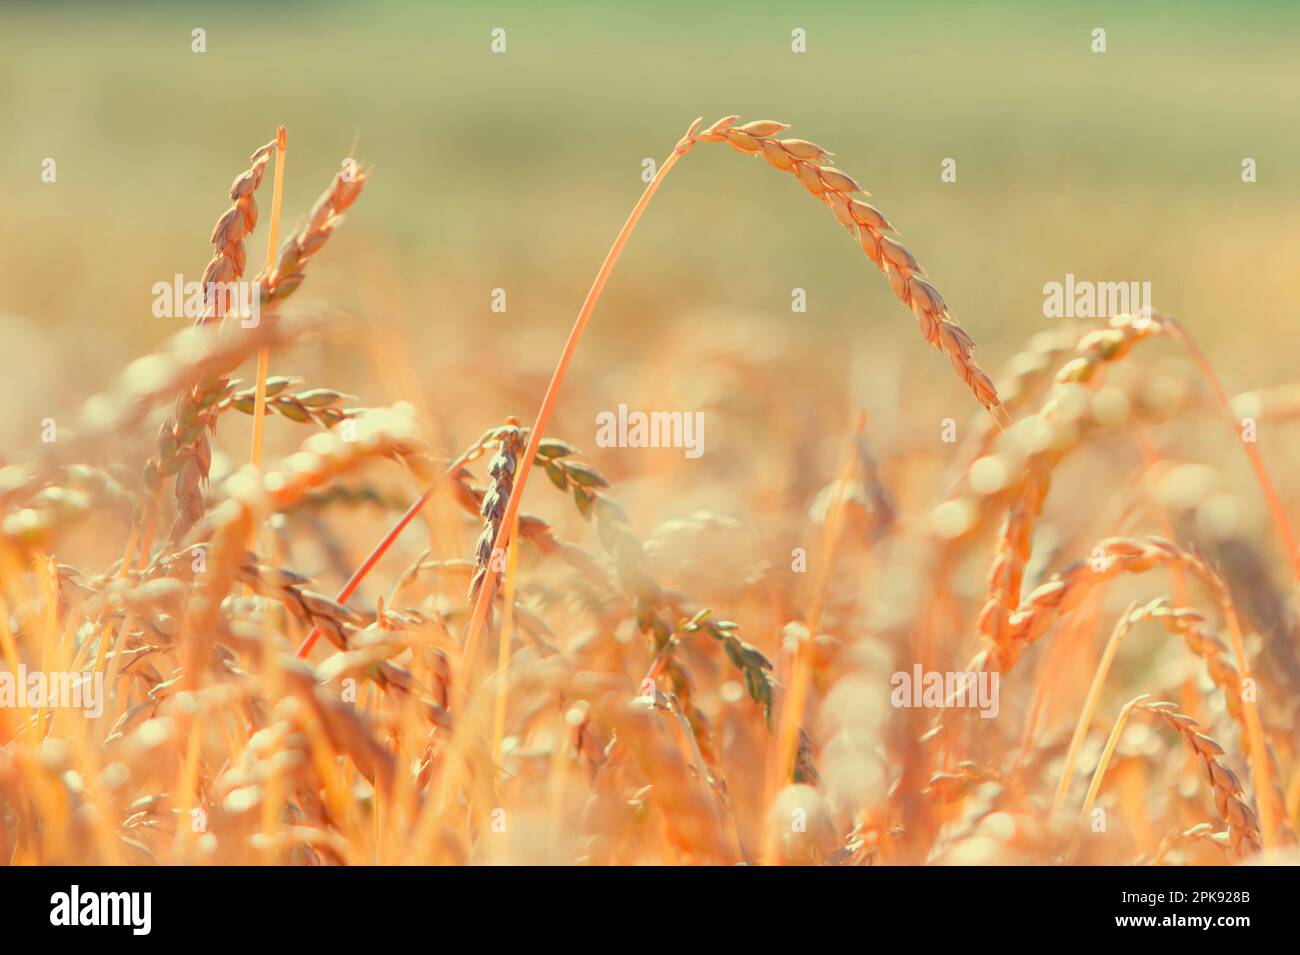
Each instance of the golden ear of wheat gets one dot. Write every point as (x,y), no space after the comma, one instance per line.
(235,225)
(1109,559)
(809,164)
(1192,626)
(1243,828)
(184,438)
(324,218)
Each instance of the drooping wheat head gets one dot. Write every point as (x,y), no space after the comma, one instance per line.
(808,163)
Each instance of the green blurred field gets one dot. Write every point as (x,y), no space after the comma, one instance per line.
(516,170)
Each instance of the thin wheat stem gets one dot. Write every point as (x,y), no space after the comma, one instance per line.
(1271,497)
(272,237)
(1090,706)
(263,354)
(471,636)
(503,651)
(1104,762)
(791,717)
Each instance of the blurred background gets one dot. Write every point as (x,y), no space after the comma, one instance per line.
(515,171)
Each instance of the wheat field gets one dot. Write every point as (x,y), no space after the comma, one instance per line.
(367,563)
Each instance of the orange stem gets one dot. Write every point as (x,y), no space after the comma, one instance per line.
(486,592)
(1271,496)
(272,238)
(263,356)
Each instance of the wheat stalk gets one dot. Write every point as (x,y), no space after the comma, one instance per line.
(272,237)
(1271,498)
(309,238)
(1243,829)
(834,188)
(235,225)
(1192,626)
(1095,352)
(1084,721)
(187,439)
(1109,559)
(191,419)
(808,163)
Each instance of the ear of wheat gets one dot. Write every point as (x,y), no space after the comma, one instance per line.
(1243,829)
(501,469)
(183,442)
(1094,352)
(183,445)
(808,163)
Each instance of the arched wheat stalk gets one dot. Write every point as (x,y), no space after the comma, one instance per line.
(805,161)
